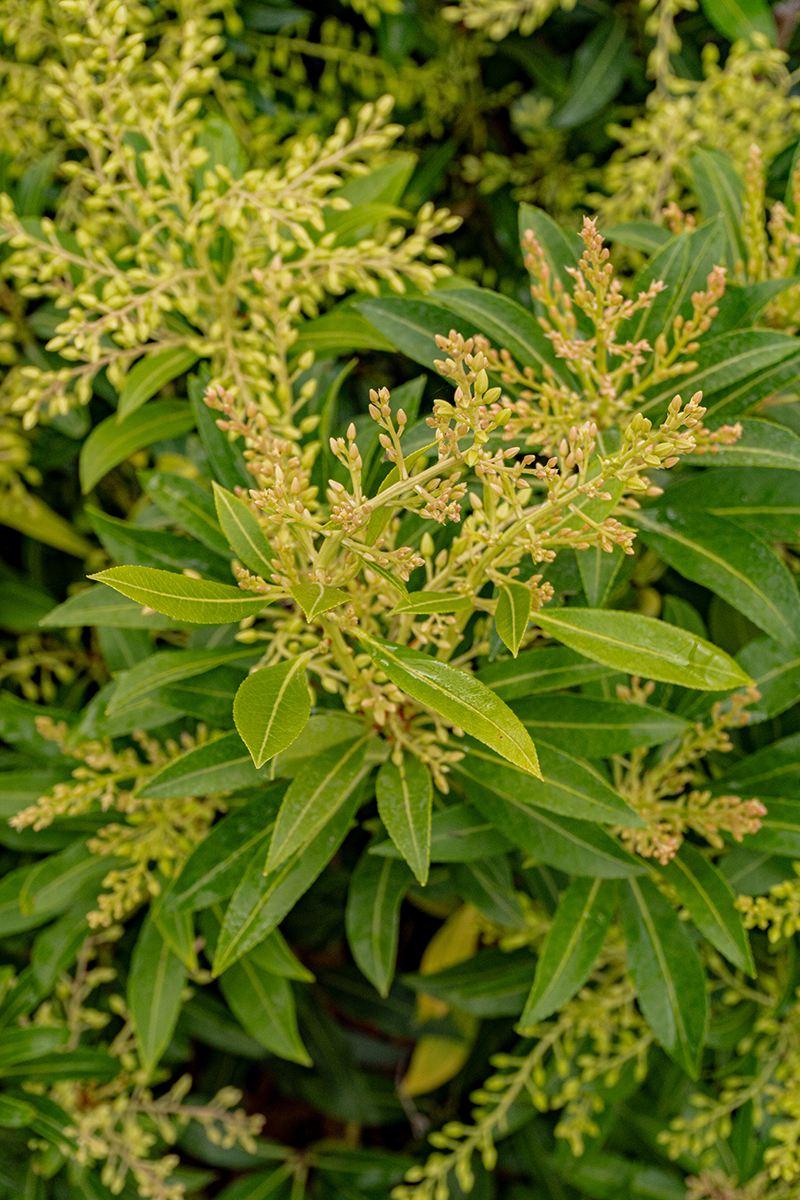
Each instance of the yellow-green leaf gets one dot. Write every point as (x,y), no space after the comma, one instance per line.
(513,613)
(432,602)
(110,443)
(316,598)
(405,795)
(243,532)
(271,708)
(197,601)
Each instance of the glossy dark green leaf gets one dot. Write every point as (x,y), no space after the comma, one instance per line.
(243,532)
(596,728)
(668,975)
(576,847)
(493,983)
(512,614)
(149,375)
(568,786)
(405,794)
(599,68)
(111,443)
(225,458)
(643,646)
(101,606)
(489,886)
(275,956)
(765,501)
(510,326)
(458,834)
(600,571)
(372,916)
(741,18)
(711,902)
(720,190)
(264,1006)
(729,561)
(771,771)
(780,828)
(412,325)
(545,670)
(84,1063)
(459,697)
(20,1045)
(30,896)
(189,601)
(579,928)
(214,869)
(762,444)
(189,505)
(261,901)
(340,332)
(155,990)
(222,765)
(171,666)
(315,793)
(272,707)
(131,546)
(209,696)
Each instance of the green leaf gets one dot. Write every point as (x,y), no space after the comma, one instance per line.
(274,955)
(576,847)
(22,605)
(719,189)
(208,696)
(225,459)
(458,834)
(155,991)
(639,235)
(21,1045)
(189,505)
(711,902)
(546,670)
(762,444)
(85,1063)
(560,248)
(568,786)
(669,977)
(644,646)
(493,983)
(599,69)
(190,601)
(372,916)
(508,325)
(261,901)
(599,728)
(30,896)
(780,828)
(272,707)
(339,332)
(110,442)
(316,792)
(243,532)
(213,870)
(223,765)
(129,545)
(513,613)
(149,375)
(458,697)
(411,325)
(489,885)
(599,572)
(575,938)
(170,666)
(318,598)
(772,771)
(405,795)
(763,500)
(738,567)
(736,19)
(259,1185)
(431,602)
(106,609)
(263,1004)
(21,510)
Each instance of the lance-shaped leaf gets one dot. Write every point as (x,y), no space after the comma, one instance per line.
(317,598)
(243,532)
(405,795)
(492,983)
(568,786)
(149,376)
(372,916)
(762,444)
(224,765)
(224,456)
(432,602)
(214,869)
(711,901)
(261,901)
(195,601)
(188,504)
(669,977)
(458,697)
(317,791)
(780,828)
(600,570)
(263,1004)
(576,936)
(545,670)
(731,562)
(110,443)
(576,847)
(513,613)
(170,666)
(653,649)
(155,989)
(458,834)
(489,886)
(599,727)
(272,707)
(771,771)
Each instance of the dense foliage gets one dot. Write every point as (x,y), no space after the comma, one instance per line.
(399,614)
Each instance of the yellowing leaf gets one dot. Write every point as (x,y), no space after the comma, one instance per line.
(454,942)
(436,1060)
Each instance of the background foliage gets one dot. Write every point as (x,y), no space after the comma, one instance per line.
(268,925)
